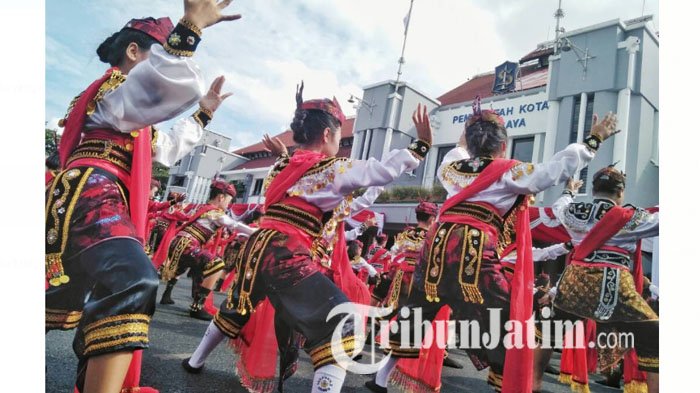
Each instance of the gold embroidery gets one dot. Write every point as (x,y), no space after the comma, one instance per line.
(114,80)
(54,271)
(472,251)
(115,331)
(117,318)
(170,267)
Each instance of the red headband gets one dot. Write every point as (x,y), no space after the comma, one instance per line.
(332,107)
(483,115)
(158,29)
(427,208)
(224,187)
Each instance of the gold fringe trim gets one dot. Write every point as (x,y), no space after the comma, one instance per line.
(565,378)
(406,383)
(578,387)
(431,290)
(635,387)
(472,294)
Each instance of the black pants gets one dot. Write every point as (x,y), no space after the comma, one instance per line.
(303,308)
(110,298)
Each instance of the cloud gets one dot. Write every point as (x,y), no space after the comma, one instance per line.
(336,47)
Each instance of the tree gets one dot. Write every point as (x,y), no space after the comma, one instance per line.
(161,173)
(52,140)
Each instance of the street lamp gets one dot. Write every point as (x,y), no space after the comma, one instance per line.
(357,100)
(565,45)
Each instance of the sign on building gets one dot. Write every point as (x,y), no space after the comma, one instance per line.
(506,74)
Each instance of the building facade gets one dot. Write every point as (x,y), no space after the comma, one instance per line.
(193,174)
(607,67)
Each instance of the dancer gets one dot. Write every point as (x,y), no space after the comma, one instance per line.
(406,249)
(485,209)
(602,282)
(187,248)
(306,199)
(94,242)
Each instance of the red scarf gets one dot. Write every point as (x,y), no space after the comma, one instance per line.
(299,164)
(423,375)
(162,253)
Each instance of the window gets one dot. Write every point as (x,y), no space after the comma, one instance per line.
(522,149)
(441,153)
(178,181)
(257,189)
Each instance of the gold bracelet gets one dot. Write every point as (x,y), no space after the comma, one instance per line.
(207,112)
(191,26)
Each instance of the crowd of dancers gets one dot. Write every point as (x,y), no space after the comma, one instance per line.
(286,263)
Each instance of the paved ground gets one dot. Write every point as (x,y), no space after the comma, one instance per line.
(174,335)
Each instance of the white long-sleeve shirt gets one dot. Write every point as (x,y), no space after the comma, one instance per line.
(579,218)
(524,178)
(155,90)
(539,254)
(335,178)
(214,219)
(363,264)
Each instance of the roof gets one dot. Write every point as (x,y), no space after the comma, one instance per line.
(481,85)
(287,138)
(537,53)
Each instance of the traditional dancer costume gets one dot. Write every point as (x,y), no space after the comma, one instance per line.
(187,248)
(290,259)
(603,280)
(460,264)
(96,207)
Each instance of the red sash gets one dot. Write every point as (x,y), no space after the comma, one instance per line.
(611,223)
(162,253)
(491,174)
(299,164)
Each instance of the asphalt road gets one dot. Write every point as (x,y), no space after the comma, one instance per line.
(174,336)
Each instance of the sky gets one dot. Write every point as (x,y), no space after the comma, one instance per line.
(335,46)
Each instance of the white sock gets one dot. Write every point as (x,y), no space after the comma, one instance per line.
(328,379)
(212,338)
(382,378)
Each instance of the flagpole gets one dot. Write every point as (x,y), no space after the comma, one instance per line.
(405,35)
(395,97)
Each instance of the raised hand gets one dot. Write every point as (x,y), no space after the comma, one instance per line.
(422,122)
(574,185)
(274,145)
(213,99)
(606,128)
(205,13)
